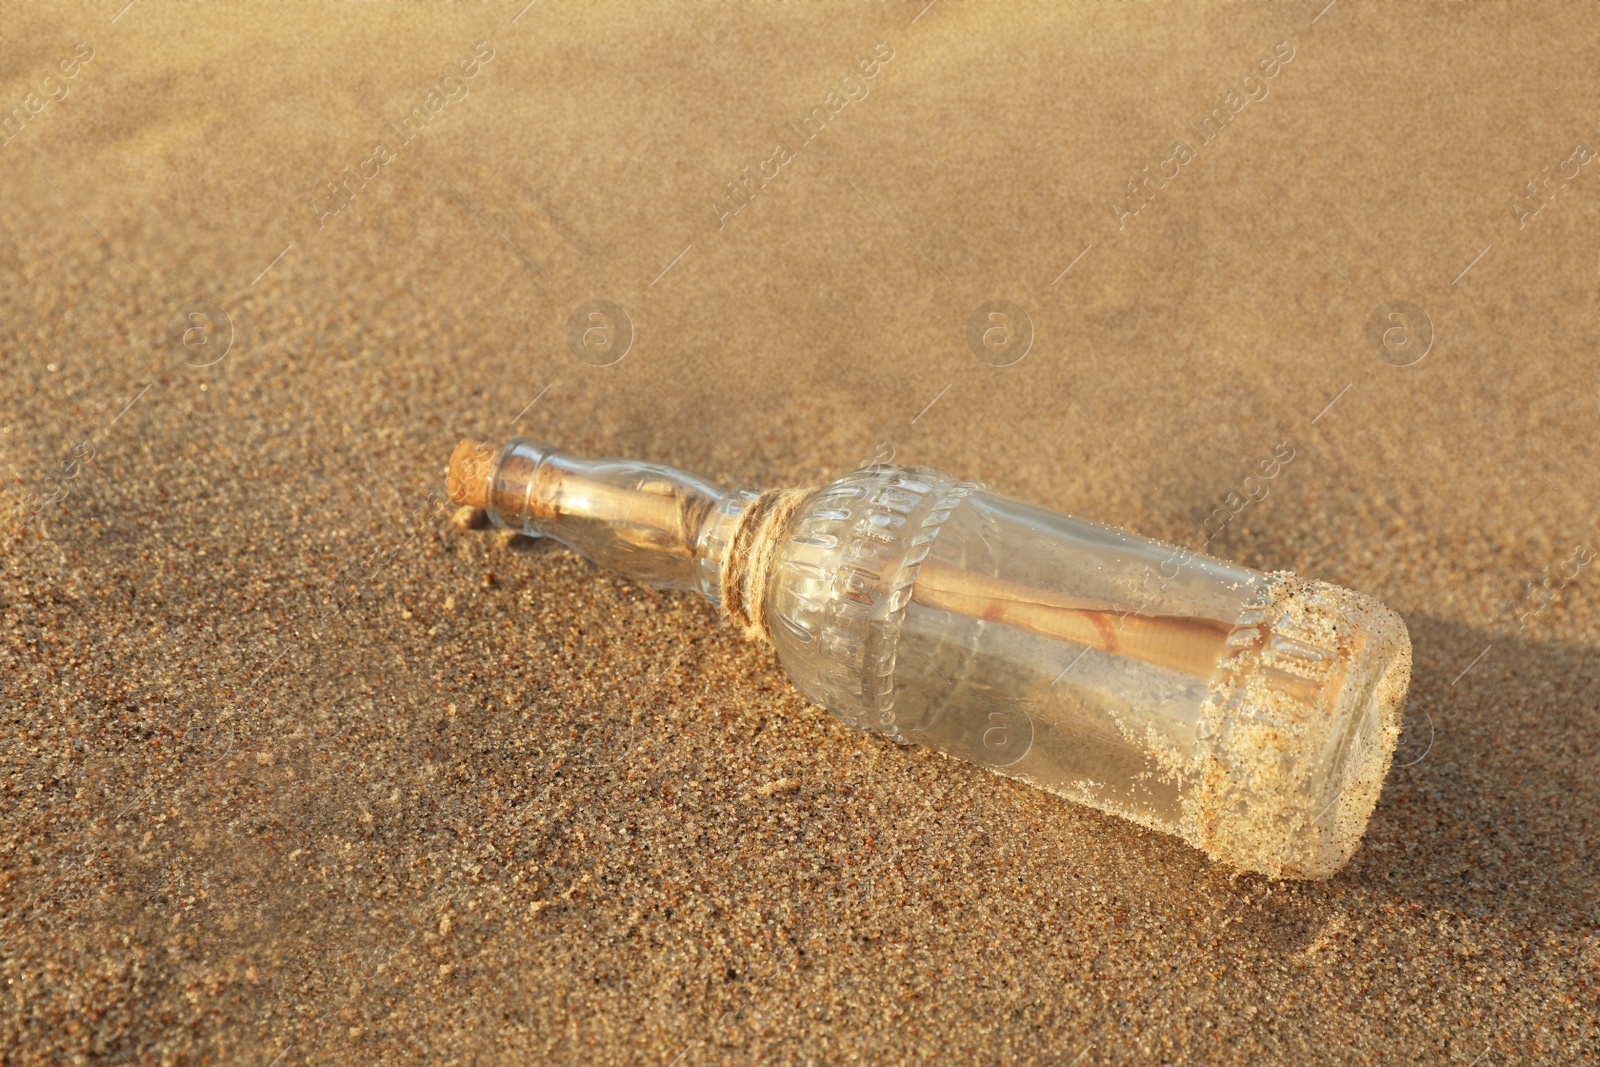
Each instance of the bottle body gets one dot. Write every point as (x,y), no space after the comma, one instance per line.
(1253,715)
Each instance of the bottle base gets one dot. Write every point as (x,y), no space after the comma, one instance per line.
(1300,730)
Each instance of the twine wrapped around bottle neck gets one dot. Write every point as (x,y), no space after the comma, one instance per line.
(752,550)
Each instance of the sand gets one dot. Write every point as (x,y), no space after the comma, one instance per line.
(297,770)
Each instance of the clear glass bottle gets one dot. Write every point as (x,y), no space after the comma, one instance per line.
(1254,715)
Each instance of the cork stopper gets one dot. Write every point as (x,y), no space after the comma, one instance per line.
(466,480)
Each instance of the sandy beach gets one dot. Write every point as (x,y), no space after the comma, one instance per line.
(298,769)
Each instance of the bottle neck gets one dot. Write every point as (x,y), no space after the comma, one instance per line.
(651,523)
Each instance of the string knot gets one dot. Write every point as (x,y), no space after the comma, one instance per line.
(752,551)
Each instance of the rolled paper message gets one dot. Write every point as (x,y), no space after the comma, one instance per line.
(1252,715)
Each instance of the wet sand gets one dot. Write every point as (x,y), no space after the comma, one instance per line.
(298,770)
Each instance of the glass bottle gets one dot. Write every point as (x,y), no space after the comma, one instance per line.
(1253,715)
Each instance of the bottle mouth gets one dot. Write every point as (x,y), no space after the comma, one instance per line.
(516,484)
